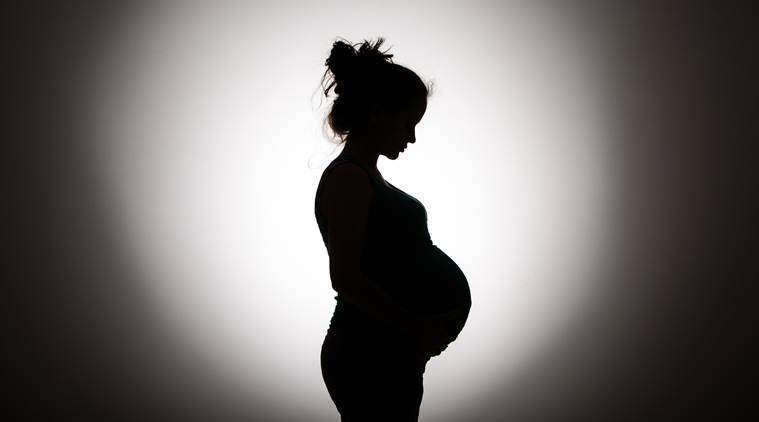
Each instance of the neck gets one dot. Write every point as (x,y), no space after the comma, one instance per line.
(362,151)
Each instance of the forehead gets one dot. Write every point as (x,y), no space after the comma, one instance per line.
(418,108)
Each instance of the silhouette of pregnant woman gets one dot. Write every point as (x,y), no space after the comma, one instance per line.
(400,299)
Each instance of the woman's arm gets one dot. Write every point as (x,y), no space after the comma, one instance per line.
(347,195)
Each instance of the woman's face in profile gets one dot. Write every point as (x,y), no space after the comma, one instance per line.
(399,129)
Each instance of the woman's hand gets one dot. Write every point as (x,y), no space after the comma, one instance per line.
(452,316)
(430,336)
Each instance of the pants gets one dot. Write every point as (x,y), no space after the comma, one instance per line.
(372,377)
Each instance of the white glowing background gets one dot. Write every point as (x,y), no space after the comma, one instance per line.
(211,146)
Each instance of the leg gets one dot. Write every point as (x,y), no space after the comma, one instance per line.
(372,380)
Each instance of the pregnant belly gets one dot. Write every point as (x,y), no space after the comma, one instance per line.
(443,281)
(430,283)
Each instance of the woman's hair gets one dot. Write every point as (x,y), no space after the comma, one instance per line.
(366,81)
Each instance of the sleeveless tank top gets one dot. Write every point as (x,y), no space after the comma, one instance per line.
(398,255)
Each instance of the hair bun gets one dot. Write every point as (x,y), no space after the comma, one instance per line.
(370,54)
(341,59)
(345,62)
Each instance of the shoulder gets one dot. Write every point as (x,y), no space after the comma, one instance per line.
(345,183)
(344,171)
(344,168)
(347,176)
